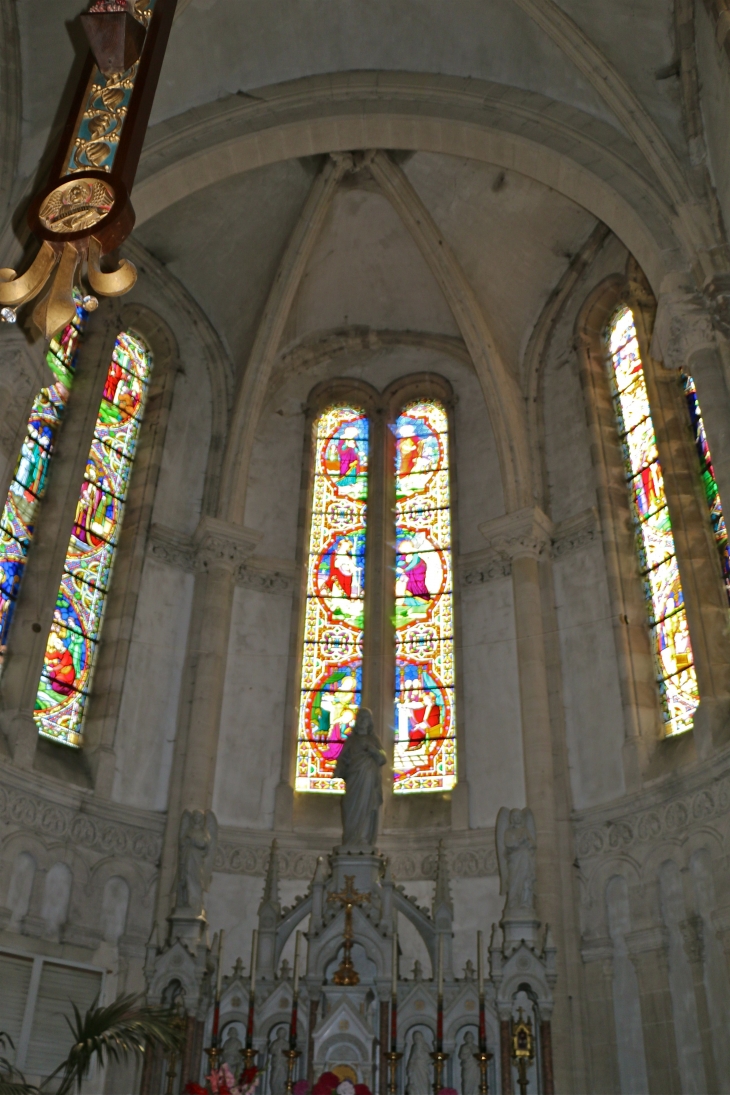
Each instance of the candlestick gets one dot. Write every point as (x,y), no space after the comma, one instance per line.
(252,990)
(392,1058)
(296,964)
(480,967)
(217,1000)
(291,1057)
(441,966)
(482,1013)
(394,971)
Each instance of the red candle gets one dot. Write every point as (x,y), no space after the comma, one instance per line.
(293,1025)
(440,1025)
(216,1023)
(482,1027)
(393,1023)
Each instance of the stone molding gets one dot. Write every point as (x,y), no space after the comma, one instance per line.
(220,544)
(525,533)
(660,813)
(479,567)
(682,326)
(180,551)
(84,824)
(248,854)
(597,950)
(654,938)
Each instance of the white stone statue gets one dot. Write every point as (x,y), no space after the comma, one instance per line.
(278,1074)
(232,1052)
(359,765)
(470,1072)
(196,852)
(516,847)
(419,1068)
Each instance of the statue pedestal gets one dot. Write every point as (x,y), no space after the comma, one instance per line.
(516,928)
(364,867)
(188,926)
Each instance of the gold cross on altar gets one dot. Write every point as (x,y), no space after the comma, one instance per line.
(348,898)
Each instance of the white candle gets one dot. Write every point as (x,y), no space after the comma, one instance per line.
(441,966)
(394,979)
(254,958)
(480,968)
(296,963)
(220,966)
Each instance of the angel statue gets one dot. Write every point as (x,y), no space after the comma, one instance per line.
(196,852)
(516,847)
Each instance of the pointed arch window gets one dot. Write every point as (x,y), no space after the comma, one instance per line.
(425,724)
(709,482)
(331,667)
(675,670)
(73,642)
(420,579)
(17,523)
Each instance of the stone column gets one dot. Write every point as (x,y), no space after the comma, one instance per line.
(522,537)
(692,930)
(34,610)
(598,981)
(648,951)
(505,1056)
(221,548)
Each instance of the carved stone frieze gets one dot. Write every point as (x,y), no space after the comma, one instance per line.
(683,325)
(180,551)
(480,567)
(575,532)
(658,817)
(54,821)
(243,855)
(519,534)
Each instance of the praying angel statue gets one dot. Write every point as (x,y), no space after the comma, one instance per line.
(196,852)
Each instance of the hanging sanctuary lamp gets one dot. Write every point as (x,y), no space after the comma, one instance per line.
(84,212)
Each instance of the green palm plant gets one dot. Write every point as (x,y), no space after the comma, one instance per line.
(103,1034)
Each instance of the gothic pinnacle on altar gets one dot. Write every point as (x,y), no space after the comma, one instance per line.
(84,213)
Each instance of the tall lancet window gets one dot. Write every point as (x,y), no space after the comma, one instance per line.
(425,717)
(28,485)
(73,642)
(675,669)
(709,482)
(331,670)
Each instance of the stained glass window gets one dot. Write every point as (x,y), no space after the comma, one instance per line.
(425,722)
(676,675)
(73,641)
(331,683)
(709,481)
(28,486)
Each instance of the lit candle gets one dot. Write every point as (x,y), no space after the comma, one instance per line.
(296,964)
(394,972)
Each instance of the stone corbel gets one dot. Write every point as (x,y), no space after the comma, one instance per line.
(220,545)
(683,326)
(525,533)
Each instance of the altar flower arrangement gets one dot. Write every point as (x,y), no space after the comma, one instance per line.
(222,1082)
(330,1083)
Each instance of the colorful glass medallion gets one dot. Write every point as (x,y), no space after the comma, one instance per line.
(425,723)
(331,683)
(31,472)
(709,481)
(676,675)
(72,646)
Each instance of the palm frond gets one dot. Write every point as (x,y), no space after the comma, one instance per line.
(109,1033)
(12,1081)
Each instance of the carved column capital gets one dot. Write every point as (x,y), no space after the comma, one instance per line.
(683,326)
(220,545)
(525,533)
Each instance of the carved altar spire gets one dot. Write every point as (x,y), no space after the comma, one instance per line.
(269,917)
(442,909)
(271,886)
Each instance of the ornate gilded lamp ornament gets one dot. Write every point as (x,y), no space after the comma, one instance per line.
(84,211)
(523,1048)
